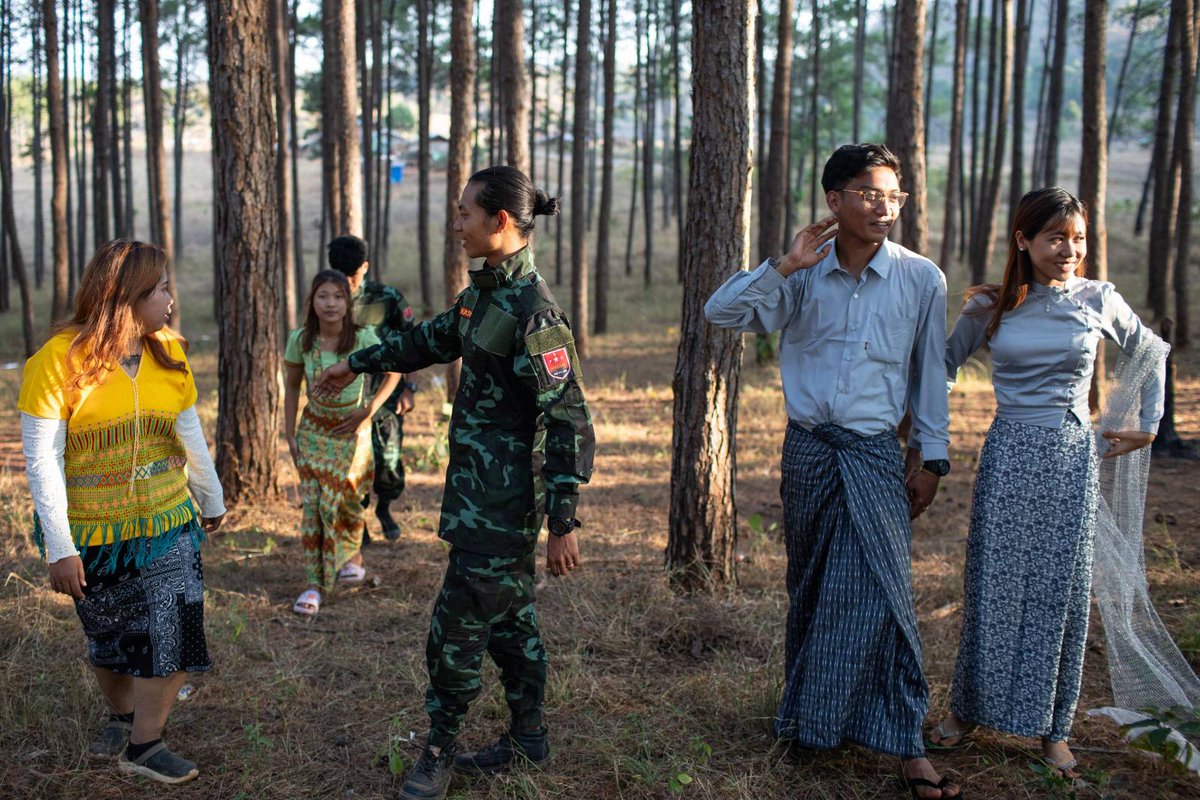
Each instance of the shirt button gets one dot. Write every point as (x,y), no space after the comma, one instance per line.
(841,390)
(855,295)
(849,357)
(853,326)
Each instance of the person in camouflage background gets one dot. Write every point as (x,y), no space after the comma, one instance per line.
(381,308)
(520,377)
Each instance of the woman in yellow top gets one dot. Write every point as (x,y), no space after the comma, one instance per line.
(112,446)
(332,446)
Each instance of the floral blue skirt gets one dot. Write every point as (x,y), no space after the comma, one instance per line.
(1028,579)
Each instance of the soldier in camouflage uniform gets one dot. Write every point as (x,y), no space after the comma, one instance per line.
(385,310)
(520,375)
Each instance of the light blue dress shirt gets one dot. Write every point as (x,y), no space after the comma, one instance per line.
(1044,352)
(852,352)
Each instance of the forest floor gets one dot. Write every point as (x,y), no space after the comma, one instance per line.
(650,695)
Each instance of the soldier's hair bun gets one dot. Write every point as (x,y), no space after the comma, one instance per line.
(544,205)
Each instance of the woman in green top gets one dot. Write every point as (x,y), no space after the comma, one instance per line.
(332,445)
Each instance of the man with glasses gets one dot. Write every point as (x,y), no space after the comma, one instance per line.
(863,331)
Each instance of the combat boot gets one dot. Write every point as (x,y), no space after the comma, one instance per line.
(513,747)
(430,776)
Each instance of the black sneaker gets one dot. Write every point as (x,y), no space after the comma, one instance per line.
(160,764)
(513,747)
(111,740)
(430,776)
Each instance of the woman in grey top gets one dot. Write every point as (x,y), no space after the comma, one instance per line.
(1033,518)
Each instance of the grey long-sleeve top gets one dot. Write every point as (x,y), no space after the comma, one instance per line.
(852,352)
(1044,352)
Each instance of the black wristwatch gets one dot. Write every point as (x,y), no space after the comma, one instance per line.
(938,466)
(561,526)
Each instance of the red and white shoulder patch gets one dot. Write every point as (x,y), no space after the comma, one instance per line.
(557,363)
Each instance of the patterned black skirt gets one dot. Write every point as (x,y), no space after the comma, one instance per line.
(148,621)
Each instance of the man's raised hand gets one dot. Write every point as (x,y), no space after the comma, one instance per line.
(808,248)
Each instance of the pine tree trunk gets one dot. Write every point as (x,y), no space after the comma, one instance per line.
(458,160)
(984,237)
(931,61)
(1054,96)
(562,140)
(677,155)
(16,259)
(129,230)
(183,88)
(509,45)
(582,102)
(156,171)
(1184,161)
(905,121)
(1165,181)
(283,171)
(533,92)
(1016,177)
(860,51)
(648,144)
(702,534)
(814,102)
(294,143)
(1123,73)
(774,177)
(424,88)
(637,160)
(1093,168)
(606,180)
(345,188)
(245,220)
(39,223)
(58,158)
(954,165)
(106,65)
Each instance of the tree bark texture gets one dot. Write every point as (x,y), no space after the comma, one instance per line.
(1184,166)
(954,166)
(702,535)
(1165,181)
(509,43)
(983,238)
(582,102)
(106,66)
(603,239)
(424,89)
(16,260)
(245,224)
(1054,96)
(458,161)
(58,158)
(774,191)
(156,158)
(1093,169)
(339,120)
(283,171)
(906,121)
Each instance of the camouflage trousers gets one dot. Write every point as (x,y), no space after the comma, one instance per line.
(387,441)
(485,605)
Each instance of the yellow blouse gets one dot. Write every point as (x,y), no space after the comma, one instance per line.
(124,465)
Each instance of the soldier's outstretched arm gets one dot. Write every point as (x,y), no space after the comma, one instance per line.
(547,361)
(432,342)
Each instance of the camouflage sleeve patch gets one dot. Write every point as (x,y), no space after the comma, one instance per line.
(552,351)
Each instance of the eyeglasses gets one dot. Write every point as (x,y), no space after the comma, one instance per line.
(872,196)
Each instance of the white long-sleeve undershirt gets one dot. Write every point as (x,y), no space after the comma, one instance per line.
(44,442)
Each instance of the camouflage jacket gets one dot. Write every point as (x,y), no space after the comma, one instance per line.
(520,375)
(383,308)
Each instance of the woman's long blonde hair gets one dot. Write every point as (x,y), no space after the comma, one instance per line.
(121,273)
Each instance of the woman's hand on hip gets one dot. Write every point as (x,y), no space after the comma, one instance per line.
(66,576)
(210,524)
(1122,442)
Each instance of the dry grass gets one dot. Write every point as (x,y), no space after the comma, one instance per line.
(644,686)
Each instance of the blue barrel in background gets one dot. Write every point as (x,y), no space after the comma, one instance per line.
(396,175)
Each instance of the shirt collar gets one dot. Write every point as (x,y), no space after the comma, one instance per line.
(880,263)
